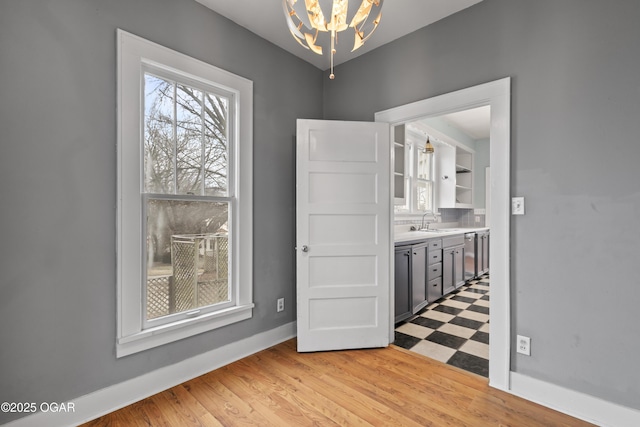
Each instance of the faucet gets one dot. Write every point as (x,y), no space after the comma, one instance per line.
(433,217)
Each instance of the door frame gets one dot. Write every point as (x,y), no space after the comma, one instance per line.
(496,94)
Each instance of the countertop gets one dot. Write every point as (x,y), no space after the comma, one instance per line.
(417,236)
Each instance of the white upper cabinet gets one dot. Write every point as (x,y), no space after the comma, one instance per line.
(400,163)
(454,176)
(464,178)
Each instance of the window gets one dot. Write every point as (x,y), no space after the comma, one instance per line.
(419,185)
(184,196)
(422,179)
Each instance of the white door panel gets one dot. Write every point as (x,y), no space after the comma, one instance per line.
(355,270)
(326,145)
(342,188)
(343,235)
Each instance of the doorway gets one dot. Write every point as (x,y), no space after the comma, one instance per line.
(497,96)
(453,328)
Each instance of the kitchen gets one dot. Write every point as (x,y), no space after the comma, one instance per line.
(442,234)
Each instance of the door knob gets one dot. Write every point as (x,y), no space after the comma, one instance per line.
(305,248)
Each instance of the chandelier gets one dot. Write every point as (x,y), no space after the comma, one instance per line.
(307,18)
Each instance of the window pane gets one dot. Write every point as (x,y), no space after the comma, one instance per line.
(186,139)
(158,135)
(424,196)
(189,140)
(187,255)
(216,145)
(424,165)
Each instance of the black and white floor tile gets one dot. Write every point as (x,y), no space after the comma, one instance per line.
(453,329)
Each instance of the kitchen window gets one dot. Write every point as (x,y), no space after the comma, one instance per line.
(184,196)
(419,184)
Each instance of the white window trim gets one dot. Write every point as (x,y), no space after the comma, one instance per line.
(133,53)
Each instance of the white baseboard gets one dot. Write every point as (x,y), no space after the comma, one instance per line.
(117,396)
(576,404)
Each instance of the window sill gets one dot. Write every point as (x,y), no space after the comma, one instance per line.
(164,334)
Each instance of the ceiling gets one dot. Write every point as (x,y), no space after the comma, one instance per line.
(475,122)
(399,17)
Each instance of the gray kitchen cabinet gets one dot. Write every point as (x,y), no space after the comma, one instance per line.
(485,251)
(482,252)
(428,269)
(452,263)
(434,270)
(412,263)
(418,277)
(402,283)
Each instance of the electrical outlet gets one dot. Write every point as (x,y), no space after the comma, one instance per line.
(524,345)
(280,305)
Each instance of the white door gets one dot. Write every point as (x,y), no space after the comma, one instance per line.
(343,235)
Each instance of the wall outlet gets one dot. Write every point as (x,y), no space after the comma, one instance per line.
(523,345)
(280,305)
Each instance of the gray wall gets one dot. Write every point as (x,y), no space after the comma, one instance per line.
(575,68)
(575,111)
(58,184)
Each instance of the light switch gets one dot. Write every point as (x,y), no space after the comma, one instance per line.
(517,206)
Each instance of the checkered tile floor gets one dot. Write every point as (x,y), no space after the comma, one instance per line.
(454,329)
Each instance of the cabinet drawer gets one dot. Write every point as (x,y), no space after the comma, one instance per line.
(453,241)
(434,271)
(434,289)
(434,257)
(435,244)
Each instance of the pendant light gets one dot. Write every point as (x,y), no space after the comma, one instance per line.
(428,147)
(308,18)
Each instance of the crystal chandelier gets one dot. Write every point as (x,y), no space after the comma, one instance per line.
(307,18)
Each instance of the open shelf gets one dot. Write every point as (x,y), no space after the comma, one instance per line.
(464,177)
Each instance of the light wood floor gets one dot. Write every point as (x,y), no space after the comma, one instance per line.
(379,387)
